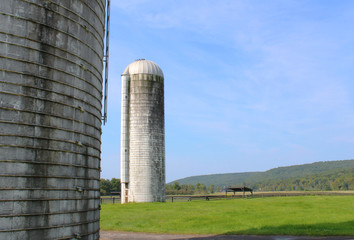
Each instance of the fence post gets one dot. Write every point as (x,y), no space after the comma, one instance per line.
(114,199)
(172,199)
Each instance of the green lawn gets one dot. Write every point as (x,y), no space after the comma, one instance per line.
(302,215)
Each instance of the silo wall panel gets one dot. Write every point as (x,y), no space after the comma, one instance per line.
(50,118)
(146,139)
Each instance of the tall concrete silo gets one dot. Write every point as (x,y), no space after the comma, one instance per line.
(51,54)
(143,133)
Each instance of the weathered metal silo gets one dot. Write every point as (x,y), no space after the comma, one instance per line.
(51,55)
(143,133)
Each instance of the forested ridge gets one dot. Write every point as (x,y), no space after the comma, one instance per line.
(319,176)
(337,179)
(330,175)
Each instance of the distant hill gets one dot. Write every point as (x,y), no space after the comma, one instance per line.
(276,176)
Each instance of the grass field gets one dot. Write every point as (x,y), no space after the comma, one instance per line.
(302,215)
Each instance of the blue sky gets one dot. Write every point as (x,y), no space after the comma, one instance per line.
(249,85)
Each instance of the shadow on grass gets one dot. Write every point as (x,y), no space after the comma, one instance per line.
(328,231)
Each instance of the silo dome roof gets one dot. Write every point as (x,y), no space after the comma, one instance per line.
(143,66)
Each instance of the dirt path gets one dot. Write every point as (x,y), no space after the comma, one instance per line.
(111,235)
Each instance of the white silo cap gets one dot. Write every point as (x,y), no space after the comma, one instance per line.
(143,66)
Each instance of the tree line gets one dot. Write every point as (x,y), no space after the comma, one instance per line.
(107,187)
(190,189)
(330,181)
(111,187)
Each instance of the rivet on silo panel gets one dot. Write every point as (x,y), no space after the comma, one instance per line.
(81,109)
(86,28)
(77,236)
(46,3)
(83,67)
(79,143)
(79,189)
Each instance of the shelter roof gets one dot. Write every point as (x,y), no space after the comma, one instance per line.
(239,189)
